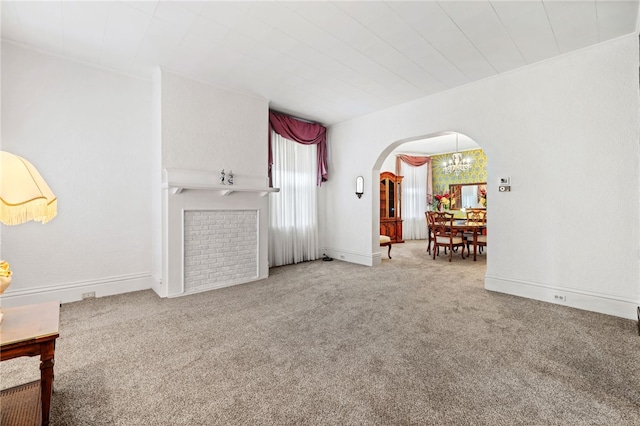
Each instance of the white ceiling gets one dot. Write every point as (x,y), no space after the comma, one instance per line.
(323,61)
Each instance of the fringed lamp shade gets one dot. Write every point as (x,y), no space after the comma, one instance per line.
(24,195)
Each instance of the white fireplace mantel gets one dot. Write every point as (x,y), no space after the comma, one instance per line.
(189,192)
(177,180)
(177,188)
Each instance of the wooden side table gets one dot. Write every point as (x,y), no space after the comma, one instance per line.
(30,331)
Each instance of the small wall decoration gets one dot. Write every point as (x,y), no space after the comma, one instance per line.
(230,178)
(222,177)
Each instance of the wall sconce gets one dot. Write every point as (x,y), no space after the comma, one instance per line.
(359,186)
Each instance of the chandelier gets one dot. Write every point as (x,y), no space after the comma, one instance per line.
(457,163)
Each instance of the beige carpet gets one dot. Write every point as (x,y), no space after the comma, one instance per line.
(414,341)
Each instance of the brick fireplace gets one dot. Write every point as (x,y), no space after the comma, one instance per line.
(220,248)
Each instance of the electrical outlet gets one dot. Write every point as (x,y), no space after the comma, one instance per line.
(89,295)
(559,298)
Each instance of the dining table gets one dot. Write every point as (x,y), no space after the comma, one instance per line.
(476,228)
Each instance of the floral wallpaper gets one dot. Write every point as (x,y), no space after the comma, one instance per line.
(478,172)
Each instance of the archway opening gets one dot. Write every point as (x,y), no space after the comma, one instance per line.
(418,175)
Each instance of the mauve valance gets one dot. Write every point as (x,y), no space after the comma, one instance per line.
(304,133)
(413,160)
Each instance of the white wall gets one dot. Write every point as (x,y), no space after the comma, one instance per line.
(566,132)
(88,132)
(208,128)
(389,164)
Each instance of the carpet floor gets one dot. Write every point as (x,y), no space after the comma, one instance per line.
(414,341)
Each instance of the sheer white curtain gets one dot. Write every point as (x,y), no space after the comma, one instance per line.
(414,202)
(293,217)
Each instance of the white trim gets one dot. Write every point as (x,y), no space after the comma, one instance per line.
(376,258)
(181,262)
(181,179)
(580,299)
(221,285)
(353,257)
(72,292)
(157,287)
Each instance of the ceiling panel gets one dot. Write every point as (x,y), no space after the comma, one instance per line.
(435,26)
(123,35)
(274,14)
(325,61)
(574,23)
(218,63)
(365,12)
(84,26)
(146,6)
(41,24)
(194,6)
(11,26)
(211,30)
(184,60)
(413,46)
(528,25)
(483,28)
(251,27)
(614,17)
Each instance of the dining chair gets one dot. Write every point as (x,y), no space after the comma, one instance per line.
(429,231)
(476,217)
(431,235)
(386,241)
(442,223)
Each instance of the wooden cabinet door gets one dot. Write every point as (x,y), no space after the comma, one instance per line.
(391,206)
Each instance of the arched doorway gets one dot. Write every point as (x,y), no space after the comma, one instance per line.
(429,181)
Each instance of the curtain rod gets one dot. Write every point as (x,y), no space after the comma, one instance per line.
(297,118)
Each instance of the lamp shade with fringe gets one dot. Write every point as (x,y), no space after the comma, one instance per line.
(24,195)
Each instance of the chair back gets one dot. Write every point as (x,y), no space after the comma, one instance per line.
(444,235)
(441,223)
(476,217)
(428,217)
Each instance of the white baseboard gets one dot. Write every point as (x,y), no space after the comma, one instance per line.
(353,257)
(157,287)
(72,292)
(220,285)
(589,301)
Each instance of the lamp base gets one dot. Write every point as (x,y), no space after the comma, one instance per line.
(4,284)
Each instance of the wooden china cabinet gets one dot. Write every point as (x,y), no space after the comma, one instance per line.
(391,206)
